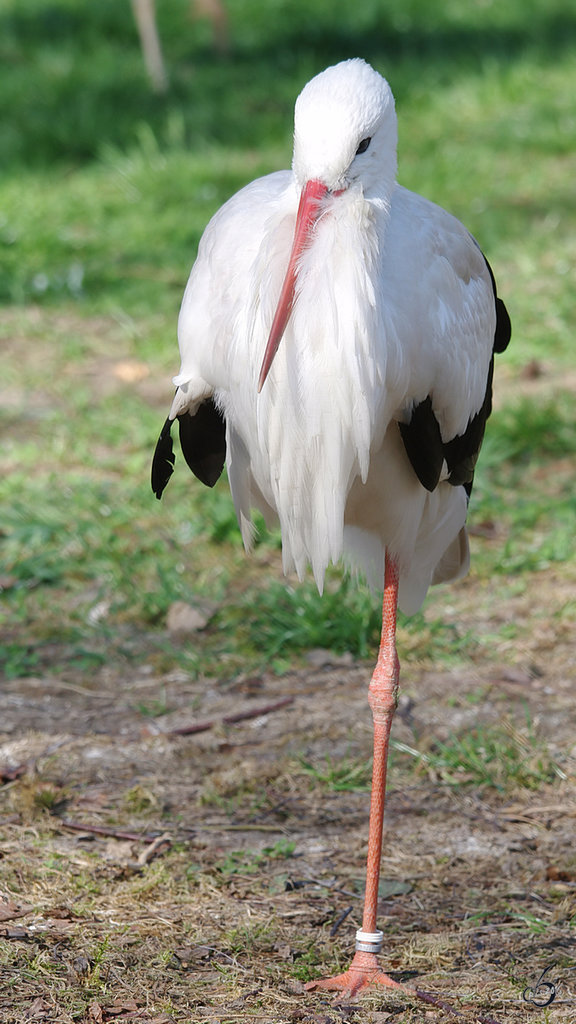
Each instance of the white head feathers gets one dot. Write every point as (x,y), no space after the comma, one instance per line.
(336,113)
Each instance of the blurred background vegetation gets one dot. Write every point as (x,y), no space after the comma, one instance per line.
(105,188)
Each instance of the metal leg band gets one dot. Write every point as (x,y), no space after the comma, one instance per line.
(369,942)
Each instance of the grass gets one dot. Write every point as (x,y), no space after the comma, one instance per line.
(500,757)
(104,193)
(244,862)
(341,775)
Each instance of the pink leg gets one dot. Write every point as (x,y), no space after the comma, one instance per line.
(382,696)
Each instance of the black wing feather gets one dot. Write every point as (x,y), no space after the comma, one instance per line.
(163,460)
(423,440)
(503,331)
(423,444)
(461,453)
(203,443)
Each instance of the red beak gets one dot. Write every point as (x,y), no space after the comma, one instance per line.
(308,210)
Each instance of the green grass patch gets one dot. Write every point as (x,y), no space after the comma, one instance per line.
(242,862)
(340,775)
(290,619)
(502,758)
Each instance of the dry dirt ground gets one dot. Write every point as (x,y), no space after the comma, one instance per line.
(152,876)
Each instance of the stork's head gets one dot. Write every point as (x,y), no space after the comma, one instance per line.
(345,135)
(345,130)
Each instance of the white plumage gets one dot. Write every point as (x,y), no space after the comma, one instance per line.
(394,303)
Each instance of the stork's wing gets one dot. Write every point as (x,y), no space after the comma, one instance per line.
(203,443)
(422,438)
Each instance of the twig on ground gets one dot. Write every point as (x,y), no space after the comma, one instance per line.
(340,920)
(240,716)
(114,833)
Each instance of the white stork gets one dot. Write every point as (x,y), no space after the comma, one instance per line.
(337,337)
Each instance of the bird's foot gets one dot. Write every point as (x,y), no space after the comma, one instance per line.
(363,972)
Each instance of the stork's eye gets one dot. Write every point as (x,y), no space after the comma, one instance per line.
(363,146)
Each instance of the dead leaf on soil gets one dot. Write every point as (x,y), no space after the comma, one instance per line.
(556,874)
(9,909)
(61,914)
(10,774)
(122,1007)
(39,1010)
